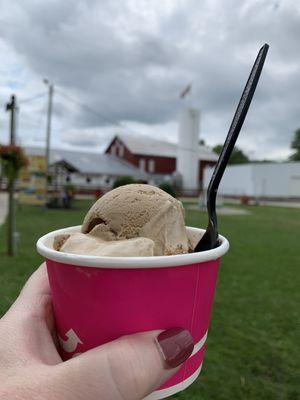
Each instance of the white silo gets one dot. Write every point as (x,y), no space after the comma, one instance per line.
(187,152)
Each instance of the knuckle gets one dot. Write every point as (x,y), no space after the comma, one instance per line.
(128,369)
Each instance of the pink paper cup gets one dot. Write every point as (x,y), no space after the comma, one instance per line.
(99,299)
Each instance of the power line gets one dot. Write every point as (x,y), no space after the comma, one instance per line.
(90,109)
(121,126)
(87,108)
(83,106)
(30,99)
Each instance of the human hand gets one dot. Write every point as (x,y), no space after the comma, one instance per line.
(126,369)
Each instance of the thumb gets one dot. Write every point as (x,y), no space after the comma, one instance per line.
(128,368)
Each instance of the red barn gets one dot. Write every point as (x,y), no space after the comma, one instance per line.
(155,156)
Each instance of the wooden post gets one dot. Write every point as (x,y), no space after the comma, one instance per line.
(11,225)
(48,133)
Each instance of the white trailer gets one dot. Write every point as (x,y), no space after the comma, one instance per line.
(259,180)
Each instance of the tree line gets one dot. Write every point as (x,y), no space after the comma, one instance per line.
(239,157)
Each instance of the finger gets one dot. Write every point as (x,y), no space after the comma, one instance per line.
(32,320)
(34,299)
(128,368)
(36,286)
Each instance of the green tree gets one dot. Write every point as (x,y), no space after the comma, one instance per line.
(237,155)
(296,145)
(124,180)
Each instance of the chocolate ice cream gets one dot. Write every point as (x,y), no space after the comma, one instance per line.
(132,220)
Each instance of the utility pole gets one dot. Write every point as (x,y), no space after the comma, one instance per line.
(48,129)
(11,186)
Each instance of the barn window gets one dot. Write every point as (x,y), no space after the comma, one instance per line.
(113,150)
(142,164)
(121,150)
(151,166)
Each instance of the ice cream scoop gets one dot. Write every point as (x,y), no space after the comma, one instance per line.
(131,220)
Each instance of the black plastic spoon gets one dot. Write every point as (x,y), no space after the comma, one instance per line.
(210,238)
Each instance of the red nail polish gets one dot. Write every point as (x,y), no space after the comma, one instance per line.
(175,345)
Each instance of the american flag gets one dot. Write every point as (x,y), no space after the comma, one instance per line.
(185,91)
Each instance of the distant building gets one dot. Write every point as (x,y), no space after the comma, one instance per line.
(260,180)
(141,157)
(87,171)
(155,157)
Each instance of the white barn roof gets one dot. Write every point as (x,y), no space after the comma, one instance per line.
(145,145)
(90,163)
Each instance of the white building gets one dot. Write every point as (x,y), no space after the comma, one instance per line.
(261,180)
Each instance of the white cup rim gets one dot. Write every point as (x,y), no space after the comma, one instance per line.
(43,248)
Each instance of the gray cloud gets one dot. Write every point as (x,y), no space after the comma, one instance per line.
(130,63)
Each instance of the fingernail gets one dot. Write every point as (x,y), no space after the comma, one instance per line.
(175,346)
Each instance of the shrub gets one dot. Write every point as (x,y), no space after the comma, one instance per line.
(167,188)
(124,180)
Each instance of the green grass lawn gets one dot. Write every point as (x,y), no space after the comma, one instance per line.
(253,343)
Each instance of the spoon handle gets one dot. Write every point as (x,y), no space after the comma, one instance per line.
(209,239)
(238,118)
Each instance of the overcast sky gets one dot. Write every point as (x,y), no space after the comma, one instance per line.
(120,65)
